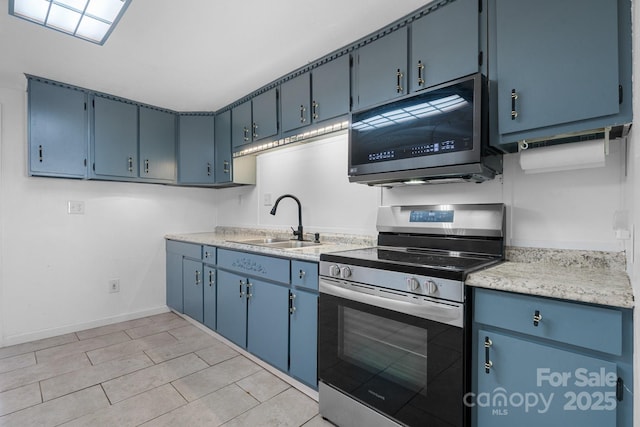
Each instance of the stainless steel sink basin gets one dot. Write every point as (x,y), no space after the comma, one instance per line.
(278,243)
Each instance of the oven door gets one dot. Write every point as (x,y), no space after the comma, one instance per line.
(408,368)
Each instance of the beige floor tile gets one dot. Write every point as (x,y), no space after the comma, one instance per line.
(318,421)
(156,327)
(290,408)
(189,331)
(212,410)
(129,324)
(58,411)
(214,378)
(127,348)
(19,398)
(217,353)
(17,362)
(134,411)
(42,371)
(65,350)
(92,375)
(180,348)
(36,345)
(263,385)
(146,379)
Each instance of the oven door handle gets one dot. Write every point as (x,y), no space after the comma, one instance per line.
(450,313)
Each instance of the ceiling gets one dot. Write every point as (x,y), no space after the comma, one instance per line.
(193,55)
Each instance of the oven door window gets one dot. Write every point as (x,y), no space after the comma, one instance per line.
(409,369)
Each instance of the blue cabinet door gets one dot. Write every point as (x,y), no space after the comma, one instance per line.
(157,145)
(381,69)
(331,89)
(304,337)
(58,131)
(265,115)
(232,307)
(296,102)
(435,59)
(222,167)
(174,281)
(561,76)
(209,290)
(241,125)
(192,289)
(530,384)
(268,322)
(196,149)
(115,138)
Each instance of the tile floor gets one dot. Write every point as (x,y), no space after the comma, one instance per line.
(154,371)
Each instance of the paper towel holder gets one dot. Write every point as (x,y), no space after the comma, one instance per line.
(525,144)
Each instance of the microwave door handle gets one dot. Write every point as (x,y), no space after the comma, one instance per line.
(439,312)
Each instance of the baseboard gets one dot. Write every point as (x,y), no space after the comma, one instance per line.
(48,333)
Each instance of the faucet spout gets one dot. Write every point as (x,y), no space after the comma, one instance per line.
(298,233)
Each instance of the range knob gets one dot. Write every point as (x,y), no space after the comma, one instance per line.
(345,272)
(412,284)
(334,270)
(431,287)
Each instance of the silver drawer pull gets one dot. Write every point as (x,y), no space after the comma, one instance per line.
(537,317)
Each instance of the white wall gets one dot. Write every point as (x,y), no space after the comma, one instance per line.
(54,266)
(572,209)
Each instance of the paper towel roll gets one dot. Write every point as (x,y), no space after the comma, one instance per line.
(561,157)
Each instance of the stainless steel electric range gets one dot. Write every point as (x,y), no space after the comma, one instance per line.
(392,333)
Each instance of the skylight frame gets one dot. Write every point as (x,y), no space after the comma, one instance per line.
(82,14)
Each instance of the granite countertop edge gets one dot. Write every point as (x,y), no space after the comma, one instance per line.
(583,276)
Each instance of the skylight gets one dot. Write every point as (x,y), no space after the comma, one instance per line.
(91,20)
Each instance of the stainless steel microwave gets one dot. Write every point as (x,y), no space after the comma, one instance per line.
(437,135)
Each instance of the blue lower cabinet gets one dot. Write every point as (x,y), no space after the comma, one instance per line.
(529,384)
(303,358)
(209,302)
(192,278)
(268,322)
(232,307)
(174,281)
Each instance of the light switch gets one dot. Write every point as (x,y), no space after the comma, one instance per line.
(75,207)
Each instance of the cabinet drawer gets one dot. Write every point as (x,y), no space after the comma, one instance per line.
(188,250)
(591,327)
(304,274)
(209,254)
(274,269)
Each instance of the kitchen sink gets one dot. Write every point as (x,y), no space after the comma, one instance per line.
(278,243)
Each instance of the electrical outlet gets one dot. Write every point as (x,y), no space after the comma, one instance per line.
(267,199)
(114,285)
(75,207)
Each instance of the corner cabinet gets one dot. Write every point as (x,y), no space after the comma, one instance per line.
(574,78)
(541,361)
(58,130)
(196,149)
(256,119)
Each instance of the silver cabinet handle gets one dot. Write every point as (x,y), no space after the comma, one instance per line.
(420,73)
(537,317)
(130,164)
(146,166)
(245,132)
(249,286)
(255,130)
(225,166)
(514,96)
(40,154)
(302,115)
(197,277)
(292,298)
(211,281)
(301,273)
(208,169)
(241,291)
(399,76)
(314,110)
(487,360)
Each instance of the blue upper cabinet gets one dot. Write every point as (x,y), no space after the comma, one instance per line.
(115,139)
(223,163)
(196,149)
(330,89)
(58,130)
(265,115)
(381,69)
(157,145)
(296,102)
(573,78)
(439,54)
(241,125)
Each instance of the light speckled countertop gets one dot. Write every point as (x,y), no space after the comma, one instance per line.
(586,276)
(228,237)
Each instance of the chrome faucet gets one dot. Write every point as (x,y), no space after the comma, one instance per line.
(299,233)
